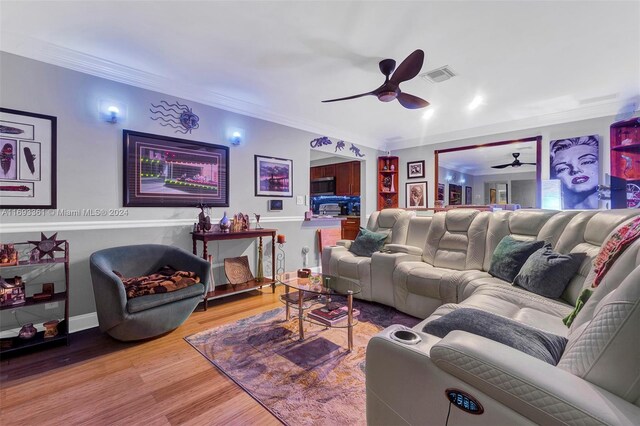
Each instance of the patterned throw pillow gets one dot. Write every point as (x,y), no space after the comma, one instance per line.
(509,256)
(548,273)
(367,242)
(619,241)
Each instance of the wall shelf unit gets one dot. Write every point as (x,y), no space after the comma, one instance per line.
(33,280)
(625,164)
(387,182)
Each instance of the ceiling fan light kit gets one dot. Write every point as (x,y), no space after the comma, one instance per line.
(390,89)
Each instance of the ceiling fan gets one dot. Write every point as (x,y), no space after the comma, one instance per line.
(390,89)
(514,163)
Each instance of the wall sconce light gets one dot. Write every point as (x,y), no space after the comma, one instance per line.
(111,111)
(235,135)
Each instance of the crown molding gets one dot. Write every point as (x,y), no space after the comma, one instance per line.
(53,54)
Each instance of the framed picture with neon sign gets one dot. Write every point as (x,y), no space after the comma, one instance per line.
(162,171)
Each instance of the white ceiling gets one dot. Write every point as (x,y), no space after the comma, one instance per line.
(478,161)
(535,63)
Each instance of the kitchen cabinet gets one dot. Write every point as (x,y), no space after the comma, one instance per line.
(348,178)
(350,228)
(319,172)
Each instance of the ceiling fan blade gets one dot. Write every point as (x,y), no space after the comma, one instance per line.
(349,97)
(502,166)
(531,164)
(411,102)
(409,68)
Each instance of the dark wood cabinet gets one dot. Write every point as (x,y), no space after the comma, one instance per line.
(348,178)
(316,173)
(319,172)
(350,228)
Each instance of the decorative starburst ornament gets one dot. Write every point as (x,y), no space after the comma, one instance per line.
(47,246)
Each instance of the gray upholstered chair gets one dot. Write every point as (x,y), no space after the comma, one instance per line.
(150,315)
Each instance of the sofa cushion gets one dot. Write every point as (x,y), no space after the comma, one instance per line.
(547,273)
(537,343)
(142,303)
(367,242)
(510,255)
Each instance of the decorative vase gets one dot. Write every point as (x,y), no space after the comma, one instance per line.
(27,331)
(51,329)
(393,188)
(225,223)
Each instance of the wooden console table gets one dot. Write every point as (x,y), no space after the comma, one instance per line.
(229,289)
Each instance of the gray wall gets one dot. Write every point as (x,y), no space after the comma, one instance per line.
(599,126)
(90,173)
(479,185)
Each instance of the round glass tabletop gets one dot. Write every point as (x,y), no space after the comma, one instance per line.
(320,284)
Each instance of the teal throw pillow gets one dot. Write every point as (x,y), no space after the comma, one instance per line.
(547,273)
(509,256)
(367,242)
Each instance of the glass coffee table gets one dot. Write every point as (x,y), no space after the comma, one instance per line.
(309,296)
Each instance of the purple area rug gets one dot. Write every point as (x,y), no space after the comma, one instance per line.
(313,382)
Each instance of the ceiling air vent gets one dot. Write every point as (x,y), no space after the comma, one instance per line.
(439,74)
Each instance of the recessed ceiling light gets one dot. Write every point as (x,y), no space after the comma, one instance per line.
(428,114)
(476,102)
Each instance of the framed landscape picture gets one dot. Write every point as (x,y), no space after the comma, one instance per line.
(273,177)
(161,171)
(415,169)
(416,195)
(27,160)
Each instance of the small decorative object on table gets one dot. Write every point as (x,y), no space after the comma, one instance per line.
(281,259)
(240,222)
(225,224)
(304,273)
(51,328)
(204,219)
(27,331)
(47,246)
(257,216)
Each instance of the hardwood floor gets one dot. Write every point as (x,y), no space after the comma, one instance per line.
(163,381)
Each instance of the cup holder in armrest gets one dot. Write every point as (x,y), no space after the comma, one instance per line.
(407,337)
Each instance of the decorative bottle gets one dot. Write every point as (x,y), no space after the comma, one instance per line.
(224,223)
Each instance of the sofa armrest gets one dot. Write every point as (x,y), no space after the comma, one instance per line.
(402,248)
(382,266)
(539,391)
(344,243)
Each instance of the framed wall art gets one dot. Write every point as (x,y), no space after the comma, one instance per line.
(273,177)
(455,195)
(416,195)
(27,160)
(575,162)
(415,169)
(161,171)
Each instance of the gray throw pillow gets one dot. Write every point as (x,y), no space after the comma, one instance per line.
(509,256)
(537,343)
(367,242)
(548,273)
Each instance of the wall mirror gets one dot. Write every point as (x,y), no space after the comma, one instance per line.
(506,172)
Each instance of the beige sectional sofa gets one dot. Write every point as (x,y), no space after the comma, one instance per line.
(442,266)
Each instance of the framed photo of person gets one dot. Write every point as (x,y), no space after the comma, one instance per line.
(576,163)
(415,169)
(416,195)
(162,171)
(273,177)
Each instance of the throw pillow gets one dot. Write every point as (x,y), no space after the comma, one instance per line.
(537,343)
(548,273)
(617,243)
(582,299)
(509,256)
(367,242)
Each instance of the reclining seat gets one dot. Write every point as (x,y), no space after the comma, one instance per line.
(338,260)
(522,225)
(454,248)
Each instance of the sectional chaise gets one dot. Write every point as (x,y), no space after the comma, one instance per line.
(432,266)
